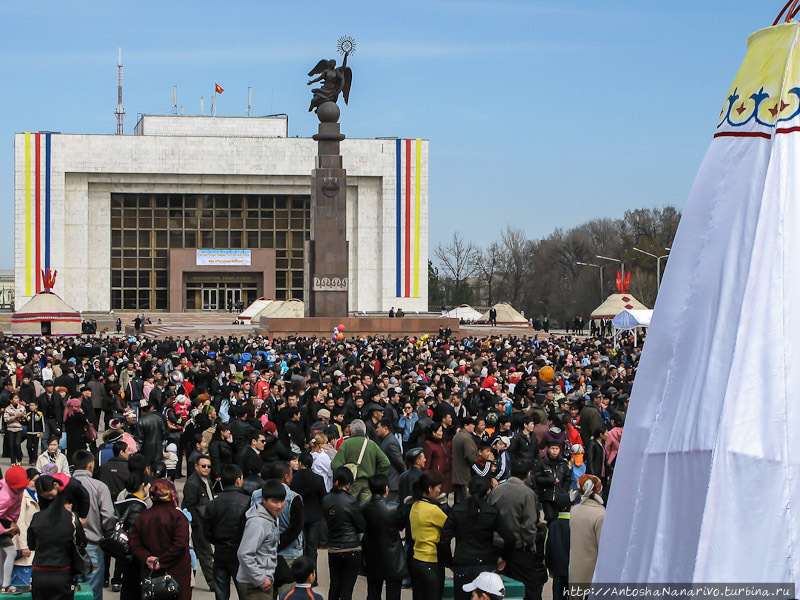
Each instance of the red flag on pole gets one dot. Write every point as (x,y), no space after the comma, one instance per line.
(218,88)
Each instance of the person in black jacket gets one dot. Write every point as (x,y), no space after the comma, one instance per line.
(345,524)
(384,555)
(129,570)
(274,450)
(223,525)
(525,444)
(240,428)
(52,534)
(220,449)
(196,497)
(311,488)
(149,434)
(253,481)
(556,548)
(553,476)
(473,524)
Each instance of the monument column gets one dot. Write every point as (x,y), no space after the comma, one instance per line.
(326,272)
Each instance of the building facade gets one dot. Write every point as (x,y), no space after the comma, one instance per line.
(198,213)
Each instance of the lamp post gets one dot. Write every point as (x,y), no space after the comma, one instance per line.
(622,264)
(658,264)
(601,267)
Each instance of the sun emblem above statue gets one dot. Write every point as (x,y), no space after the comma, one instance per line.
(335,80)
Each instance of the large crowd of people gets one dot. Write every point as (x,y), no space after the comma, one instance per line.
(405,458)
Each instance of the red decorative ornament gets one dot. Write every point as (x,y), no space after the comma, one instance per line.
(49,279)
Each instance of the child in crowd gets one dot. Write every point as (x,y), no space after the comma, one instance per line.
(171,460)
(484,462)
(577,465)
(486,586)
(305,574)
(503,462)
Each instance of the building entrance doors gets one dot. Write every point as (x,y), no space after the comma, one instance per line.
(233,296)
(210,296)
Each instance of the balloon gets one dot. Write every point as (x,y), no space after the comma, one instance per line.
(341,327)
(176,377)
(547,373)
(340,336)
(412,340)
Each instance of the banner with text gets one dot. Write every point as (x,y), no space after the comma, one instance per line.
(230,258)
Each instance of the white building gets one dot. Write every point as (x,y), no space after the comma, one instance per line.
(122,218)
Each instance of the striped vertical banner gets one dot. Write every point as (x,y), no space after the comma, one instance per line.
(408,216)
(37,210)
(28,224)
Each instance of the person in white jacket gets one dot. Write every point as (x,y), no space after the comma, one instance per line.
(53,455)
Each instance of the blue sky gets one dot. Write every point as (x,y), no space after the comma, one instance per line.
(541,113)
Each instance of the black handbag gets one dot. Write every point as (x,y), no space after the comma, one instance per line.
(81,561)
(116,541)
(162,587)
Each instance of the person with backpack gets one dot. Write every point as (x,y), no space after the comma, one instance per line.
(223,525)
(128,569)
(363,458)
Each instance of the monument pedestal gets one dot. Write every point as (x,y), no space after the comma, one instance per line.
(326,285)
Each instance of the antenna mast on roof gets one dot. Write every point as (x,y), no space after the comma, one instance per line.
(174,99)
(249,100)
(120,112)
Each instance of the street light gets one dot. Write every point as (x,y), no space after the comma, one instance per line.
(622,264)
(658,263)
(601,267)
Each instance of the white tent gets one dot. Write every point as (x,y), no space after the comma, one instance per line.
(465,312)
(506,315)
(615,304)
(252,312)
(631,319)
(706,486)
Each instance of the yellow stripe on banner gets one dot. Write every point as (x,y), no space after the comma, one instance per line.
(417,218)
(28,223)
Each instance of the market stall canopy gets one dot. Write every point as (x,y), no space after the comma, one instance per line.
(465,312)
(615,304)
(631,319)
(506,315)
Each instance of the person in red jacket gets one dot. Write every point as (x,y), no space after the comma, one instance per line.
(437,455)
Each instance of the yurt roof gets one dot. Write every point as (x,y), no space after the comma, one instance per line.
(46,306)
(506,314)
(464,311)
(615,304)
(254,309)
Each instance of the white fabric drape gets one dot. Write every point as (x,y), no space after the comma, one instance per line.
(707,482)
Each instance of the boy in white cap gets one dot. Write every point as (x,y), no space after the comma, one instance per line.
(486,586)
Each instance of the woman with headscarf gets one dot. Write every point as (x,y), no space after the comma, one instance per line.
(160,537)
(53,455)
(586,522)
(74,425)
(52,535)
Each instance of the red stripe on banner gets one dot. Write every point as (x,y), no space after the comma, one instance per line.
(788,130)
(408,218)
(37,236)
(743,134)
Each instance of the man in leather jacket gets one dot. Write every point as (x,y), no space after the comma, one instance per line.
(223,525)
(149,434)
(384,555)
(345,524)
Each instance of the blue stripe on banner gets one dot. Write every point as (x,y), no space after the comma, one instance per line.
(47,201)
(399,221)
